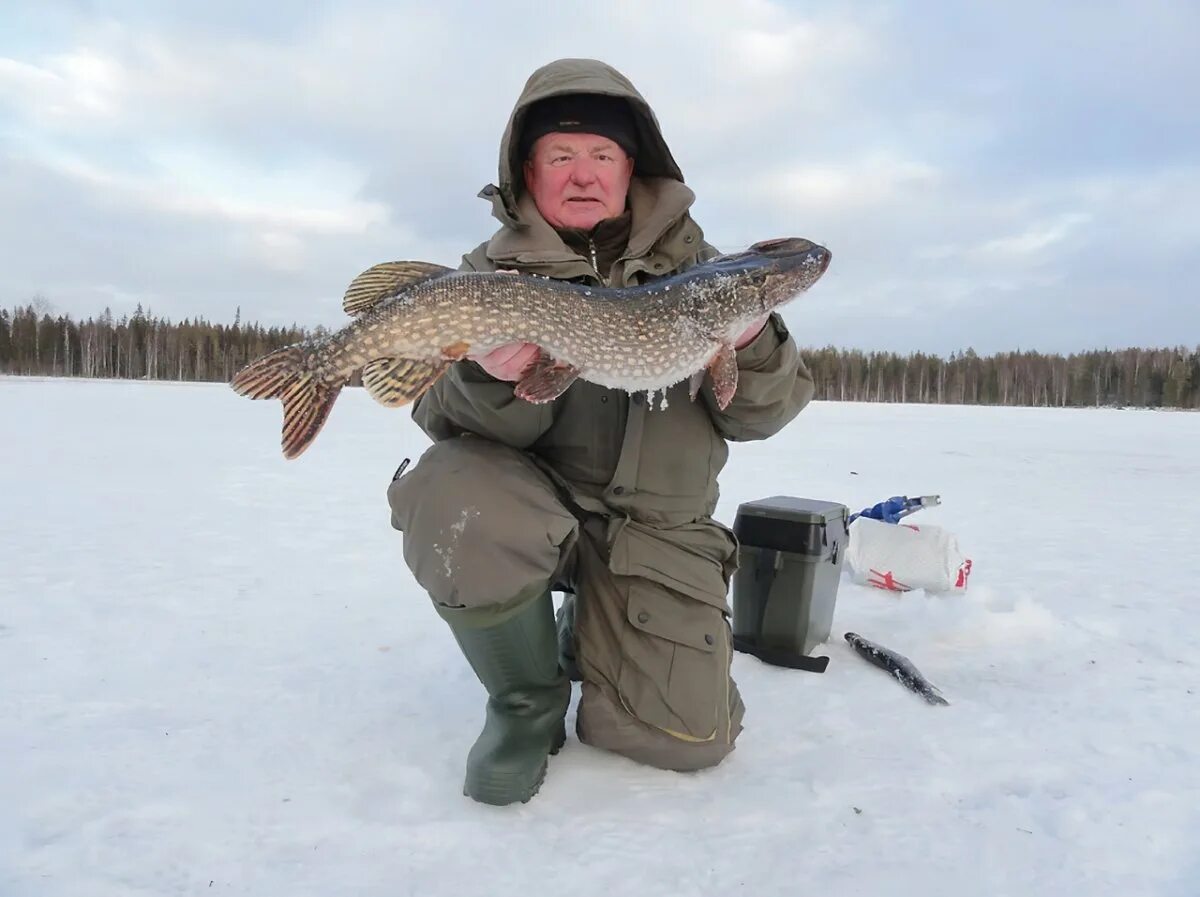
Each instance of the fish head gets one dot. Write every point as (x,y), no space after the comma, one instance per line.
(780,269)
(791,266)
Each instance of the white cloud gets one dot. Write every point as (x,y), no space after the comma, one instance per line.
(871,180)
(1037,238)
(68,89)
(792,49)
(186,194)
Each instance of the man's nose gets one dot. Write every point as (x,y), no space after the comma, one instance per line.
(583,172)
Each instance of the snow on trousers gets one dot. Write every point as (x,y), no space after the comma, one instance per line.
(483,524)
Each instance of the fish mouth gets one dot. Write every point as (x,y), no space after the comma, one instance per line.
(813,254)
(793,247)
(784,246)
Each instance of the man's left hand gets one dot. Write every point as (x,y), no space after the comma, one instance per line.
(751,333)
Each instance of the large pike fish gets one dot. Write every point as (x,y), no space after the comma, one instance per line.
(414,319)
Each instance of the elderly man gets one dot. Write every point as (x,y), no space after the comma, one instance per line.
(594,494)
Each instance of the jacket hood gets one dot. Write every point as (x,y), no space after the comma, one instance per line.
(566,76)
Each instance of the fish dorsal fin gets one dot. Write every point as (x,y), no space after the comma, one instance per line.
(397,381)
(384,281)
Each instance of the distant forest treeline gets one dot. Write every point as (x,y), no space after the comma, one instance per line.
(35,342)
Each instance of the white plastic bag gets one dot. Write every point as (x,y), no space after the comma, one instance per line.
(900,557)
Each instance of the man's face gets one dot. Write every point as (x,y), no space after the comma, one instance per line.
(578,180)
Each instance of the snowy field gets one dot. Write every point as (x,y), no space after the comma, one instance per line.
(218,677)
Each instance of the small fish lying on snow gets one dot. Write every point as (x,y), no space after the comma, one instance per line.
(898,665)
(413,319)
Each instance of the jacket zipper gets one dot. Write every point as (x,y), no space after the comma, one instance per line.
(596,263)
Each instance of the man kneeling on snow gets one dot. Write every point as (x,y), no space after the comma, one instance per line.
(593,494)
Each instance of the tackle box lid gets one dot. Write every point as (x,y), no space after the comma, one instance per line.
(794,509)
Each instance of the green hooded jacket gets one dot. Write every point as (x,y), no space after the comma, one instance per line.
(655,469)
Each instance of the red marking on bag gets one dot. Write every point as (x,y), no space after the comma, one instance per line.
(964,571)
(887,581)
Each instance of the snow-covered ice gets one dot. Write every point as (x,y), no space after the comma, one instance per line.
(218,676)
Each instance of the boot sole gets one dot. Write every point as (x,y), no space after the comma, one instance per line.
(499,789)
(560,738)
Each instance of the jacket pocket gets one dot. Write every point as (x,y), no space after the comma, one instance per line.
(696,559)
(674,671)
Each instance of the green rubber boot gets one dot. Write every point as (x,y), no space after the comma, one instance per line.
(516,659)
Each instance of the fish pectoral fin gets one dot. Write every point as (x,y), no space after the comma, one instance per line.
(546,380)
(724,370)
(384,281)
(397,381)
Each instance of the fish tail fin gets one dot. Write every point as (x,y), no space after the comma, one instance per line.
(307,397)
(934,696)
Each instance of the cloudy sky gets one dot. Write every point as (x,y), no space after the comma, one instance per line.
(1015,175)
